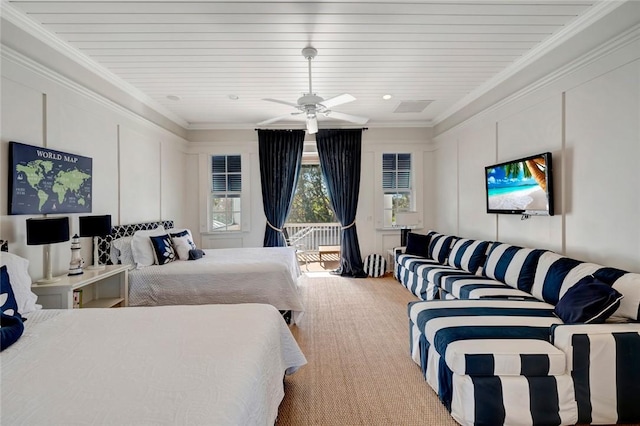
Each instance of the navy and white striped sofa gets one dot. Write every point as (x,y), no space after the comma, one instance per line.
(488,341)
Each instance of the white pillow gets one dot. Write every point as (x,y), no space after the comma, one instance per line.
(121,251)
(174,231)
(141,246)
(18,269)
(182,245)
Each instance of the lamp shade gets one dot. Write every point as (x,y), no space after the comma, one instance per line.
(47,231)
(95,226)
(407,218)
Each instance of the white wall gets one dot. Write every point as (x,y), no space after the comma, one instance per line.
(138,168)
(589,119)
(372,238)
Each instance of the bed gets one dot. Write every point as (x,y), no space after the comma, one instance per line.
(243,275)
(207,364)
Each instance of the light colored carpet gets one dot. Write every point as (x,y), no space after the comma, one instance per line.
(356,340)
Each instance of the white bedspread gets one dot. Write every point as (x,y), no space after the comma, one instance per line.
(246,275)
(211,364)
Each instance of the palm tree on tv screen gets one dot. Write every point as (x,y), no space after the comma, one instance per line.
(535,168)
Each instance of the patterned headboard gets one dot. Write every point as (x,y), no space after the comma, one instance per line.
(4,245)
(104,244)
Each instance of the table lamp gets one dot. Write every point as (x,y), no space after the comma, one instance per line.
(406,219)
(45,232)
(95,226)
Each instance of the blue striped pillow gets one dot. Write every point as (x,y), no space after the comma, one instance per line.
(512,265)
(439,247)
(468,255)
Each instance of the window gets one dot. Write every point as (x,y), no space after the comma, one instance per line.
(396,186)
(226,189)
(310,203)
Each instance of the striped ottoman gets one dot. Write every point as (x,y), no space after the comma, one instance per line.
(375,265)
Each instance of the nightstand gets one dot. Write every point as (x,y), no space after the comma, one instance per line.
(104,288)
(391,257)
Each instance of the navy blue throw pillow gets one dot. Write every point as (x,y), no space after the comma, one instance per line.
(163,249)
(588,301)
(417,244)
(8,304)
(195,254)
(10,331)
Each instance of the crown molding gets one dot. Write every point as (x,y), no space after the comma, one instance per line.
(593,14)
(301,125)
(10,55)
(19,19)
(630,36)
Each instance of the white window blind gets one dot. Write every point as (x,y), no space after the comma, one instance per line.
(226,191)
(396,185)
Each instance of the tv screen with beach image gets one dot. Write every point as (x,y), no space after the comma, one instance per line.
(518,186)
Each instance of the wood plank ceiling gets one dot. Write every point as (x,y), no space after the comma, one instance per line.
(207,52)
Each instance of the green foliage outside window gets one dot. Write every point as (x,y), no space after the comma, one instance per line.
(311,200)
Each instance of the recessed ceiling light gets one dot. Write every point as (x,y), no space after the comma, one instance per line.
(386,97)
(234,97)
(173,97)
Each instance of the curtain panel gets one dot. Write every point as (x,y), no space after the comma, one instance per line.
(340,153)
(280,153)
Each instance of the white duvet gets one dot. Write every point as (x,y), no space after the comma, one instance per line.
(212,364)
(245,275)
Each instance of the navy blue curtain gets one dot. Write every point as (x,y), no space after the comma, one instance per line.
(280,154)
(340,153)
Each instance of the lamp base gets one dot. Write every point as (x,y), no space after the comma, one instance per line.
(94,268)
(48,280)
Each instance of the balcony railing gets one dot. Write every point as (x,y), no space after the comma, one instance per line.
(311,235)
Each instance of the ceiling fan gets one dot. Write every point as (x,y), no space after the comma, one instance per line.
(311,104)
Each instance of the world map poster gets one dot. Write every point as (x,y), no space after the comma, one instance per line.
(43,181)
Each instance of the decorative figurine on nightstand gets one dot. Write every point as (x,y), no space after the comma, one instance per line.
(75,266)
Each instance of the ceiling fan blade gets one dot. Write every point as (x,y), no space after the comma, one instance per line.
(274,119)
(281,102)
(338,100)
(346,117)
(312,125)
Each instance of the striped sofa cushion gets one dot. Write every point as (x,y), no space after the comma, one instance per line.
(414,282)
(603,360)
(505,357)
(434,274)
(513,265)
(411,262)
(468,255)
(629,286)
(513,400)
(555,274)
(440,247)
(475,287)
(445,321)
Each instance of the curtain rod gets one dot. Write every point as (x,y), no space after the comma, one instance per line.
(363,129)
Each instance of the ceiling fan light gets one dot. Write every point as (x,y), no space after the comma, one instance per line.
(312,125)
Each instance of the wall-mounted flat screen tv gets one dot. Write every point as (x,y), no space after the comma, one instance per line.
(43,181)
(522,186)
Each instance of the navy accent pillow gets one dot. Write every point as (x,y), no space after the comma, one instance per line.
(417,244)
(8,304)
(588,301)
(195,254)
(10,331)
(163,249)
